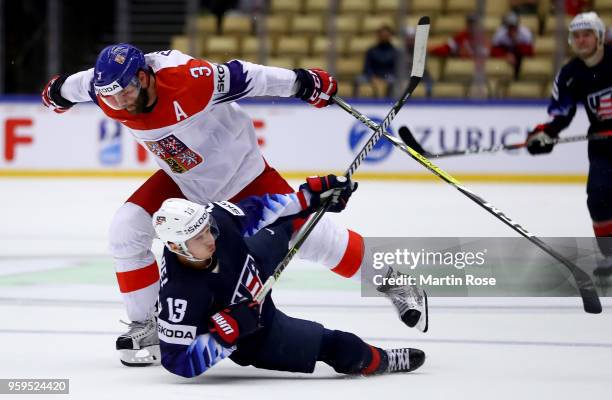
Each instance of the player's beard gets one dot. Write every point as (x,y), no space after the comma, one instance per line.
(141,102)
(587,53)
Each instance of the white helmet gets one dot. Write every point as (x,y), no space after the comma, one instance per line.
(178,220)
(588,21)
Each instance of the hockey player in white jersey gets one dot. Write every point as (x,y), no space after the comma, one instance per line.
(182,109)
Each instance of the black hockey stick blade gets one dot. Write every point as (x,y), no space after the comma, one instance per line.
(591,302)
(408,138)
(424,20)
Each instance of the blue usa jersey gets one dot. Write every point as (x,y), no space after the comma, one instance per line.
(591,86)
(188,296)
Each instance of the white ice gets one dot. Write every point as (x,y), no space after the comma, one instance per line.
(476,348)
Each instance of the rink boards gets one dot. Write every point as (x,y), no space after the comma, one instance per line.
(300,140)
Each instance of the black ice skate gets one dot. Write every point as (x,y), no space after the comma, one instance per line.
(409,300)
(139,346)
(399,360)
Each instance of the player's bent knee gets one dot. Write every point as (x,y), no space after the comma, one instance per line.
(131,232)
(326,244)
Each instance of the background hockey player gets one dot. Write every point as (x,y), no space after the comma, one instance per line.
(586,79)
(215,262)
(182,110)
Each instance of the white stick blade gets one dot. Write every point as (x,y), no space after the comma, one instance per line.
(420,47)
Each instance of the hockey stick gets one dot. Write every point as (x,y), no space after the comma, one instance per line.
(418,67)
(410,140)
(590,299)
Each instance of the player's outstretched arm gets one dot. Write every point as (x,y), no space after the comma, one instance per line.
(273,209)
(189,358)
(194,359)
(239,79)
(562,108)
(64,91)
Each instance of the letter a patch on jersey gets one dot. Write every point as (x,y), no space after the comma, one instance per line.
(250,284)
(179,157)
(178,111)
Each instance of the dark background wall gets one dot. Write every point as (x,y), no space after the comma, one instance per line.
(85,26)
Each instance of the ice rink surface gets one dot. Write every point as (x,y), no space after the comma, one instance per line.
(60,307)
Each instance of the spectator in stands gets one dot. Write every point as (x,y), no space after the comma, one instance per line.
(524,6)
(379,66)
(218,8)
(466,43)
(512,41)
(573,7)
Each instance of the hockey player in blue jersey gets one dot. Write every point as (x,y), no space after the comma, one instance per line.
(215,261)
(586,79)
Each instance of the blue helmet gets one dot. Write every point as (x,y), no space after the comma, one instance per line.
(116,67)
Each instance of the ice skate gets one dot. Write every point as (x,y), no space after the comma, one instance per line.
(409,301)
(399,360)
(139,346)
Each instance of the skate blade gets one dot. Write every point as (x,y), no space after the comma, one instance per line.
(423,324)
(141,358)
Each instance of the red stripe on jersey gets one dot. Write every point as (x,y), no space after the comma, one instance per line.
(374,364)
(353,255)
(137,279)
(182,91)
(603,228)
(302,199)
(315,184)
(254,286)
(298,223)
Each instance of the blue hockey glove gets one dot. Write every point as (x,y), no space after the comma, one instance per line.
(204,352)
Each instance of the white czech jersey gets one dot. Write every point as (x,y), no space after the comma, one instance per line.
(196,132)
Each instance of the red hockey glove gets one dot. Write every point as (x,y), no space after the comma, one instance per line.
(320,188)
(538,141)
(52,98)
(235,322)
(316,86)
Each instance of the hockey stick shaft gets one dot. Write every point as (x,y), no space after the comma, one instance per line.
(410,140)
(418,67)
(585,285)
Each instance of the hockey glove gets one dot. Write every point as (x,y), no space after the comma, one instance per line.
(203,353)
(316,86)
(235,322)
(51,96)
(538,141)
(318,188)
